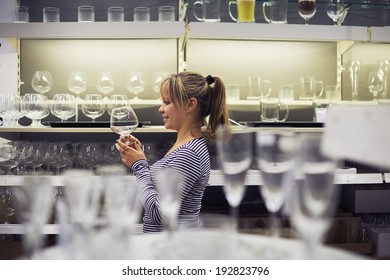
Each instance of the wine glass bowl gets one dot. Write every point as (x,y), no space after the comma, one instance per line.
(63,106)
(105,82)
(77,82)
(307,9)
(35,107)
(42,81)
(135,83)
(117,100)
(157,79)
(123,121)
(335,9)
(93,106)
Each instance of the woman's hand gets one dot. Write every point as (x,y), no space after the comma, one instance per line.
(130,153)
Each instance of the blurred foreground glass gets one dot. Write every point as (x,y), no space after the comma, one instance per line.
(307,9)
(166,13)
(21,14)
(275,11)
(245,11)
(116,14)
(210,10)
(34,200)
(86,14)
(51,14)
(234,151)
(141,14)
(314,197)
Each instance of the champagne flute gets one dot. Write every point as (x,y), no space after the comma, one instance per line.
(335,9)
(93,106)
(275,158)
(135,83)
(123,121)
(314,197)
(234,151)
(42,81)
(307,9)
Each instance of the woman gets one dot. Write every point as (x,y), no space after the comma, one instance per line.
(188,99)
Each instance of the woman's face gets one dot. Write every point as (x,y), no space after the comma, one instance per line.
(173,114)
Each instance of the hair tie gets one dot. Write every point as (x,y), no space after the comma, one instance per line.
(210,79)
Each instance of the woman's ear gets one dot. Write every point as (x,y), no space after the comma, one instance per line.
(192,104)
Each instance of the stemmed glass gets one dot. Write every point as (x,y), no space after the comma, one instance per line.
(307,9)
(10,110)
(234,151)
(93,106)
(135,83)
(157,79)
(6,208)
(314,196)
(9,156)
(90,155)
(123,121)
(42,81)
(105,82)
(335,9)
(63,106)
(77,82)
(57,156)
(35,107)
(117,100)
(37,156)
(34,205)
(275,154)
(375,83)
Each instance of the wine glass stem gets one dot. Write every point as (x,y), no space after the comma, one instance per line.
(234,218)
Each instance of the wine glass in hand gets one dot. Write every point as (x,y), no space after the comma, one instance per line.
(307,9)
(123,121)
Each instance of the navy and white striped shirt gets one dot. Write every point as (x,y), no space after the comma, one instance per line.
(193,161)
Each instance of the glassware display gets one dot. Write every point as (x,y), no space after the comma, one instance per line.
(42,81)
(35,107)
(135,83)
(90,155)
(314,196)
(123,121)
(105,82)
(117,100)
(234,151)
(63,106)
(384,67)
(335,9)
(93,106)
(77,82)
(307,9)
(375,83)
(57,156)
(37,156)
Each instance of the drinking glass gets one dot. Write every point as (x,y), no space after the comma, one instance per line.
(42,81)
(34,200)
(6,206)
(57,156)
(77,82)
(275,155)
(335,9)
(307,9)
(135,83)
(37,157)
(105,82)
(158,78)
(86,13)
(117,100)
(111,155)
(51,14)
(234,151)
(35,107)
(10,109)
(314,197)
(142,14)
(115,14)
(63,106)
(21,14)
(123,121)
(9,156)
(90,155)
(93,106)
(375,83)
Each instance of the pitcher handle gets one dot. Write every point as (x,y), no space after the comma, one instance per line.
(265,6)
(322,89)
(269,87)
(230,12)
(200,3)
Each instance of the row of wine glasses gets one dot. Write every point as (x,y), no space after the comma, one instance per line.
(42,82)
(297,178)
(335,9)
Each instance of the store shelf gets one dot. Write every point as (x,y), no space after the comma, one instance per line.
(386,177)
(284,32)
(76,30)
(380,34)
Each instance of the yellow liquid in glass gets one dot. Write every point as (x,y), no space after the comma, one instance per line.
(246,10)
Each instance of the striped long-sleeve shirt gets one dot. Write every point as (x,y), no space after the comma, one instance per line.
(191,160)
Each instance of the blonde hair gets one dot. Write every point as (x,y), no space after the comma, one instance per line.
(208,91)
